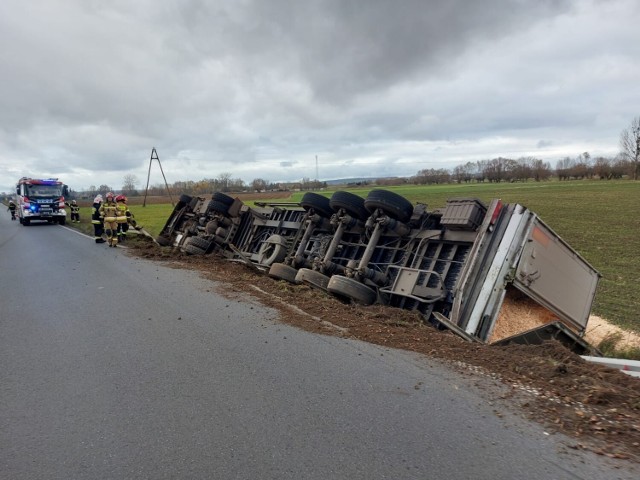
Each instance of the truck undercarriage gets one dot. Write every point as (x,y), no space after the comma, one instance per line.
(457,266)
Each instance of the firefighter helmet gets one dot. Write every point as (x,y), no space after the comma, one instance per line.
(109,195)
(121,198)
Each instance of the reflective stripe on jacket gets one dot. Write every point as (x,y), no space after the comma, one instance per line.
(95,213)
(109,211)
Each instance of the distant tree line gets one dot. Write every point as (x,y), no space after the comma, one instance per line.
(528,169)
(222,183)
(495,170)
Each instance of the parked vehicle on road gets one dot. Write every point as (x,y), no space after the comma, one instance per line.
(41,199)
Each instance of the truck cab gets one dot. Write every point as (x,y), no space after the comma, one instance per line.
(41,199)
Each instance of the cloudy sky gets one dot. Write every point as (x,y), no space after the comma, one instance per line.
(261,88)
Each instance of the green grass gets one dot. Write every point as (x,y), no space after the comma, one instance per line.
(608,347)
(599,219)
(151,217)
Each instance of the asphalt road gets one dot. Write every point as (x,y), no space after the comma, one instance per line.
(113,367)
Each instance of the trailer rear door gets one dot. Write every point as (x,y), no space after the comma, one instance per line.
(556,276)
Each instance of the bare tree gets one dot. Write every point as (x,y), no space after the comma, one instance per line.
(564,167)
(259,184)
(224,180)
(129,185)
(541,170)
(236,185)
(602,168)
(630,145)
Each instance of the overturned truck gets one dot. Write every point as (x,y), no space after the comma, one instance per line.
(491,273)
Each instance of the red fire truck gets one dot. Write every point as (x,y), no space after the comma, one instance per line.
(41,199)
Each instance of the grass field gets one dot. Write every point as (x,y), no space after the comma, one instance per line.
(599,219)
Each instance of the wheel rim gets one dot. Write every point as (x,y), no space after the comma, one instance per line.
(273,250)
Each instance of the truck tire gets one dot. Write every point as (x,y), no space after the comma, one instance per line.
(193,203)
(222,198)
(312,278)
(351,203)
(272,250)
(163,240)
(218,206)
(193,250)
(352,289)
(182,201)
(62,220)
(319,204)
(26,222)
(211,227)
(394,205)
(282,271)
(201,243)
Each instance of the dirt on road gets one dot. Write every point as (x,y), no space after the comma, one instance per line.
(598,407)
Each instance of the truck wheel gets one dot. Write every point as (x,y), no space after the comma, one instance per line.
(352,289)
(319,204)
(222,198)
(183,200)
(62,221)
(211,227)
(282,271)
(201,243)
(192,204)
(218,206)
(351,203)
(163,240)
(26,222)
(193,250)
(272,250)
(312,278)
(394,205)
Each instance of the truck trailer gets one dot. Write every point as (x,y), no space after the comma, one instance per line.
(462,267)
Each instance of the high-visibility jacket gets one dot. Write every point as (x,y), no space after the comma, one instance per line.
(109,211)
(72,207)
(122,212)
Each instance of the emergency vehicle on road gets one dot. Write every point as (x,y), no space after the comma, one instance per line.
(41,199)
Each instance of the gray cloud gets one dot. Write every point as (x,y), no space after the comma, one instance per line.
(260,88)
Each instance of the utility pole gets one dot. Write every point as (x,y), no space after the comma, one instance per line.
(154,156)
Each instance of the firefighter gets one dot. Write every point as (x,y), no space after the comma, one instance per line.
(12,209)
(109,213)
(96,219)
(75,211)
(122,217)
